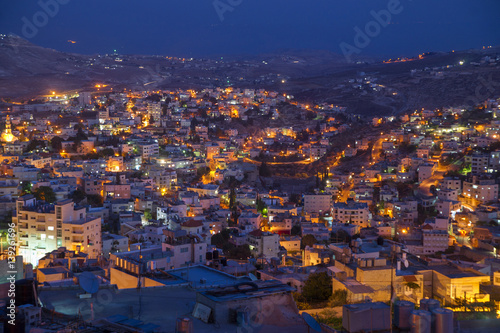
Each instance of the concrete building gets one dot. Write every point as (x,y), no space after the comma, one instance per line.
(479,164)
(426,171)
(154,111)
(45,227)
(352,212)
(450,283)
(264,244)
(112,243)
(290,243)
(186,249)
(119,189)
(483,190)
(317,203)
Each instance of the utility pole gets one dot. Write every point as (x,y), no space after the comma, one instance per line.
(392,286)
(139,281)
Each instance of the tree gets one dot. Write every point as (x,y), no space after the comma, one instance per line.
(107,152)
(94,200)
(78,195)
(147,214)
(318,287)
(220,239)
(34,144)
(239,252)
(45,193)
(307,240)
(77,144)
(56,143)
(296,230)
(338,298)
(261,206)
(264,170)
(26,188)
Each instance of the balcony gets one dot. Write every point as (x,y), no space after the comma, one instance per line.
(78,232)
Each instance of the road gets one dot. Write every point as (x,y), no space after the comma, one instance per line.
(306,161)
(424,189)
(377,150)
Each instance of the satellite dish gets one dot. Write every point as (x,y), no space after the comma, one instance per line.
(311,322)
(88,282)
(406,263)
(252,277)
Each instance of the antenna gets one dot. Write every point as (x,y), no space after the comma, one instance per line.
(311,322)
(88,282)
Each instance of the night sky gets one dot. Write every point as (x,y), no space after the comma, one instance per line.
(194,28)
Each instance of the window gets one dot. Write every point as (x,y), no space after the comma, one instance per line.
(50,228)
(184,249)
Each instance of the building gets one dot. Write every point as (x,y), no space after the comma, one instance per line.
(43,227)
(290,243)
(186,249)
(92,186)
(479,164)
(451,283)
(425,171)
(84,98)
(482,190)
(154,111)
(264,244)
(148,149)
(317,203)
(352,212)
(112,243)
(118,189)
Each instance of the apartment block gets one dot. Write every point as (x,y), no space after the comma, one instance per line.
(45,227)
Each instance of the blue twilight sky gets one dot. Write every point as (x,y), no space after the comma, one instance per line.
(194,27)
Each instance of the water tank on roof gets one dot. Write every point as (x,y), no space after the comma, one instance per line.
(429,304)
(184,325)
(443,321)
(402,314)
(420,321)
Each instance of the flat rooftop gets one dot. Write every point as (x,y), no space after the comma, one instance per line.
(247,290)
(455,272)
(156,306)
(202,276)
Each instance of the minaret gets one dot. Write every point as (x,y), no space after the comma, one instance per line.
(7,134)
(8,129)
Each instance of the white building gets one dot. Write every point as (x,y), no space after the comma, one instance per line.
(186,249)
(154,111)
(352,212)
(484,190)
(317,203)
(42,228)
(264,244)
